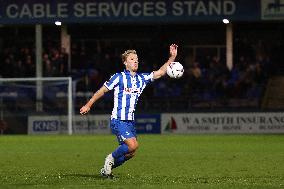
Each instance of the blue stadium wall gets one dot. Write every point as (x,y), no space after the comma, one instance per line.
(140,11)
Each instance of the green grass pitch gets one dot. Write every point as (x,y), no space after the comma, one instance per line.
(162,161)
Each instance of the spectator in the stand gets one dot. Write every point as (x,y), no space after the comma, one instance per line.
(64,58)
(263,65)
(194,73)
(221,87)
(19,69)
(30,66)
(57,62)
(48,70)
(234,78)
(195,70)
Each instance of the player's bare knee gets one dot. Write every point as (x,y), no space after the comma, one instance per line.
(132,146)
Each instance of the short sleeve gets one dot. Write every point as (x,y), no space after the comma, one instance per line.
(148,77)
(112,82)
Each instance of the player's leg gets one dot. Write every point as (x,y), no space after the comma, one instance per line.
(127,141)
(132,145)
(119,161)
(126,138)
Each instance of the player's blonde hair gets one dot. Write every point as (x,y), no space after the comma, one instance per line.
(126,53)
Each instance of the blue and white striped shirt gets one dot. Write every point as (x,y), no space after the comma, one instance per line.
(127,89)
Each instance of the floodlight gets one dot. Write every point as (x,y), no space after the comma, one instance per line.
(226,21)
(57,23)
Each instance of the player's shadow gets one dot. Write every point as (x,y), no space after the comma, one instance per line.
(93,176)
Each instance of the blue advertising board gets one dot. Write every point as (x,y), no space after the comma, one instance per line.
(138,11)
(148,123)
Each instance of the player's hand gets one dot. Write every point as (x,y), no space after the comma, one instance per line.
(173,50)
(85,109)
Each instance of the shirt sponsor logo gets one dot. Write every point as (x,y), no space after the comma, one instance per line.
(132,90)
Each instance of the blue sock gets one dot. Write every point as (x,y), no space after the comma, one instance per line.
(120,151)
(119,161)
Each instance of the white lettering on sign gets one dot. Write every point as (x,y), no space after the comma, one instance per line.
(250,122)
(111,9)
(37,10)
(201,8)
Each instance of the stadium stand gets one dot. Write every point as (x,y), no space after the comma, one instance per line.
(207,83)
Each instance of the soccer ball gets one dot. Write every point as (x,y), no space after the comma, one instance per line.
(175,70)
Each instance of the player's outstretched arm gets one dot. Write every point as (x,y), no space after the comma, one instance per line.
(86,108)
(162,71)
